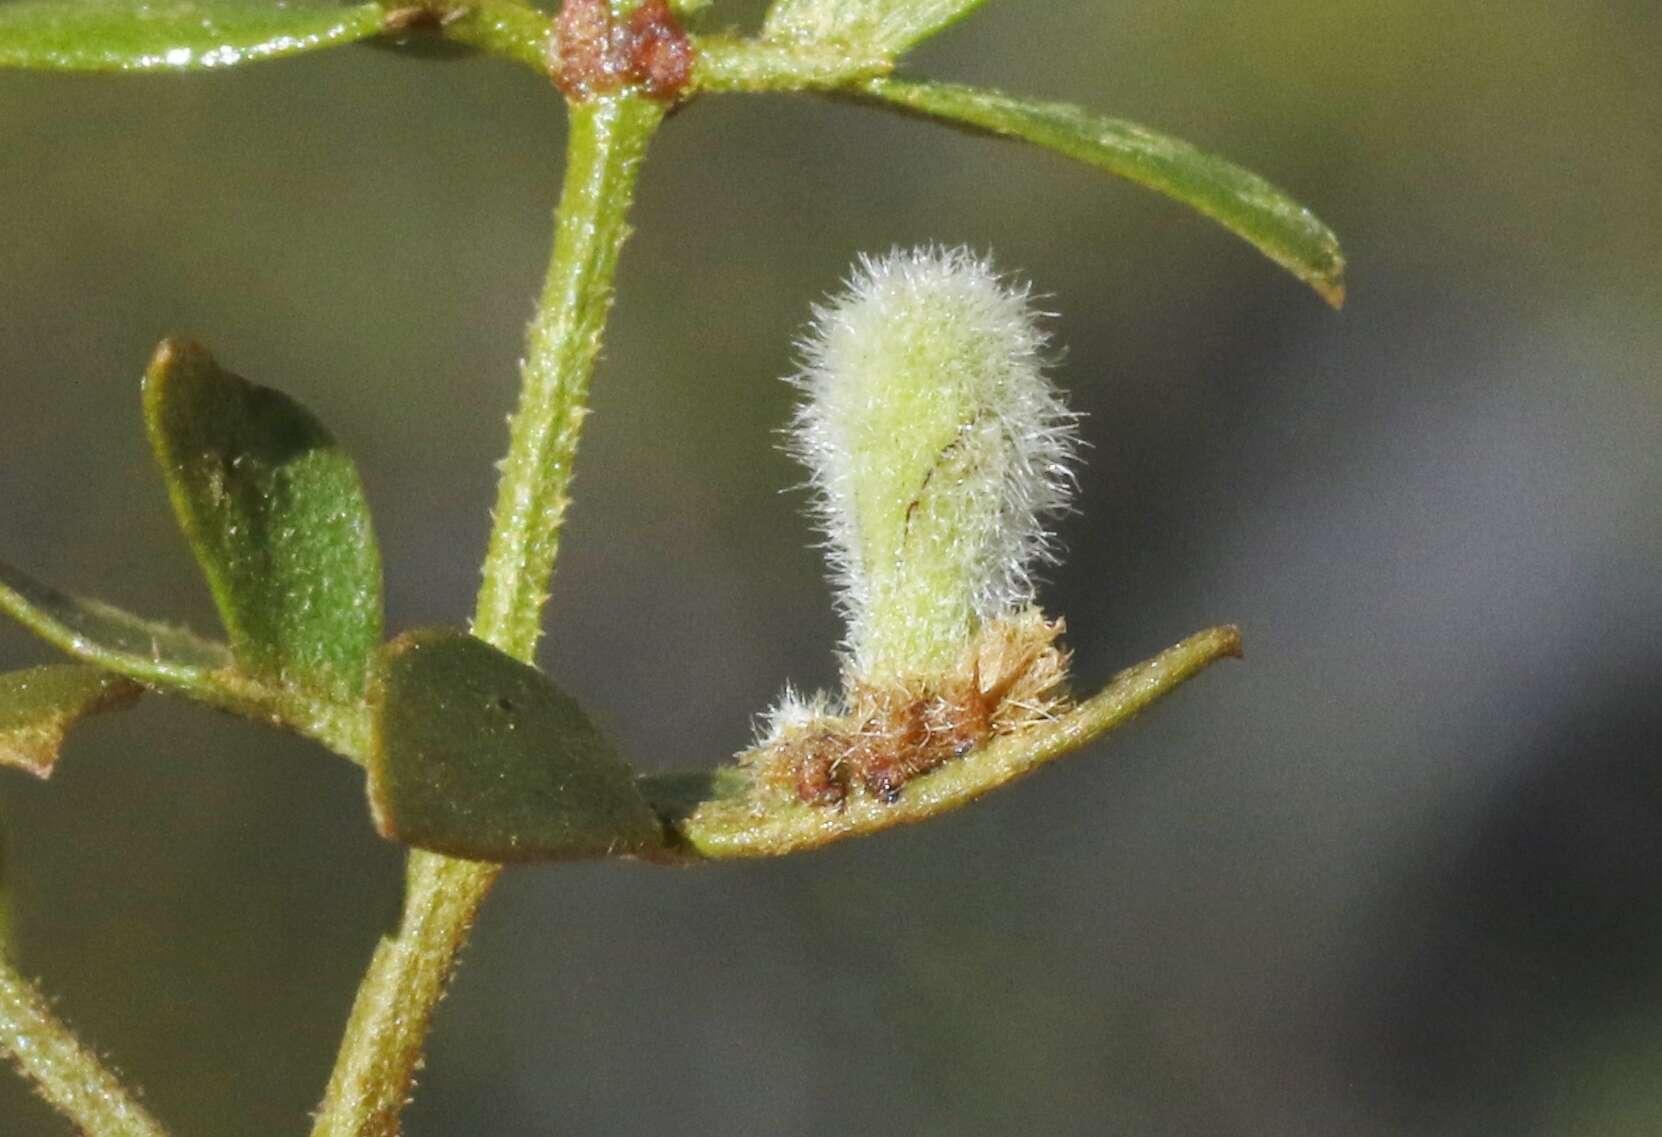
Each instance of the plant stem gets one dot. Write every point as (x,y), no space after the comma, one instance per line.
(65,1072)
(608,139)
(407,976)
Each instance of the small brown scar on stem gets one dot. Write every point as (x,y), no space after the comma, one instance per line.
(597,54)
(421,16)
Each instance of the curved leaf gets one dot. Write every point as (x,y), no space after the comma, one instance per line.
(99,634)
(1237,199)
(276,516)
(173,35)
(886,27)
(477,755)
(726,813)
(172,659)
(38,706)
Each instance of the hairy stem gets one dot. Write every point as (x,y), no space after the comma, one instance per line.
(65,1072)
(407,977)
(608,140)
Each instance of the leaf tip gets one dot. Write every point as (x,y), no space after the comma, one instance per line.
(1229,635)
(38,757)
(173,356)
(175,351)
(1331,286)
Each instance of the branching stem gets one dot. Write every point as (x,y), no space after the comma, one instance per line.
(407,976)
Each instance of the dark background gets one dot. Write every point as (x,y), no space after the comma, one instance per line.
(1399,872)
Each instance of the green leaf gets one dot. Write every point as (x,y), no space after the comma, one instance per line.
(729,813)
(276,516)
(157,654)
(38,706)
(172,659)
(477,755)
(1237,199)
(886,27)
(173,35)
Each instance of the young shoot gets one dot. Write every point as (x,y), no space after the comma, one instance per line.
(937,450)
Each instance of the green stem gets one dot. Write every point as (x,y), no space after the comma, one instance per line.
(608,139)
(67,1074)
(728,63)
(407,977)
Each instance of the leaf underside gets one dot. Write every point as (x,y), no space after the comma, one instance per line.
(1240,201)
(40,704)
(173,35)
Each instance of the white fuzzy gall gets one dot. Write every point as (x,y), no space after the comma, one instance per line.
(937,450)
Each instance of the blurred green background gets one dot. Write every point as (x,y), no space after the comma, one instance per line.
(1399,872)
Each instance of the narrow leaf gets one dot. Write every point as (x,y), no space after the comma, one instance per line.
(477,755)
(170,658)
(884,27)
(727,813)
(96,633)
(173,35)
(276,516)
(1237,199)
(38,706)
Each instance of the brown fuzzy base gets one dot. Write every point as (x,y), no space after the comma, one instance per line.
(1011,675)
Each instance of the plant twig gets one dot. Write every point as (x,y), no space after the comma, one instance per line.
(390,1018)
(66,1073)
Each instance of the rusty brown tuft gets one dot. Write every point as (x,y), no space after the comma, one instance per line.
(599,54)
(1011,676)
(661,55)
